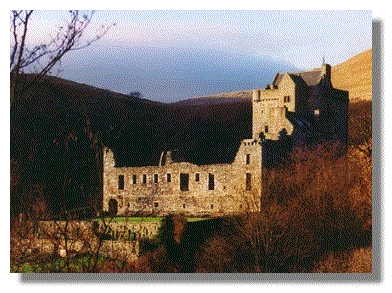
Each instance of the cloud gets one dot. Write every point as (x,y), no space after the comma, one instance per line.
(171,74)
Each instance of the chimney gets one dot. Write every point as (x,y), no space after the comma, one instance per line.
(326,73)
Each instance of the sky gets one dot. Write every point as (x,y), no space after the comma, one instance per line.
(173,55)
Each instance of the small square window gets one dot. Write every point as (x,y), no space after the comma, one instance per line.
(212,206)
(155,178)
(197,177)
(266,129)
(168,177)
(184,205)
(144,178)
(134,179)
(156,204)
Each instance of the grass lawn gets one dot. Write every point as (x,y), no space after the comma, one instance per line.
(145,219)
(77,264)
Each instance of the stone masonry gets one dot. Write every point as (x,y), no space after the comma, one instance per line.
(182,187)
(293,105)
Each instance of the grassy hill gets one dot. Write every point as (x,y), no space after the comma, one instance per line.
(355,76)
(232,97)
(58,126)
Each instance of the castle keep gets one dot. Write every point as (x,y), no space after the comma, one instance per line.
(295,106)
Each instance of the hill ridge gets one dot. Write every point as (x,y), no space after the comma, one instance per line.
(353,75)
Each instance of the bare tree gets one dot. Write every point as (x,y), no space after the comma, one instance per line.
(40,60)
(43,58)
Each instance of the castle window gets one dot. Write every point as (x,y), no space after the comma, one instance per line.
(155,178)
(211,182)
(212,206)
(156,204)
(197,177)
(286,99)
(184,206)
(134,179)
(184,181)
(248,158)
(266,129)
(144,178)
(121,182)
(168,177)
(248,181)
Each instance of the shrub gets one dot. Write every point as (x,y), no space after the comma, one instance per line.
(318,204)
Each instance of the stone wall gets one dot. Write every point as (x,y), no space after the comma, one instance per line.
(121,238)
(183,187)
(270,107)
(149,190)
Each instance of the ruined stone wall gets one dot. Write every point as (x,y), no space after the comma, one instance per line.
(148,190)
(122,238)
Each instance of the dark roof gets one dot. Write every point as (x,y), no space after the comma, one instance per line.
(277,79)
(311,77)
(298,80)
(306,78)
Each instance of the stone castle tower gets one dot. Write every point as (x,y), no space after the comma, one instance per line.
(300,102)
(294,105)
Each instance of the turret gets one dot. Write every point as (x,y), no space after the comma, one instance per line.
(108,158)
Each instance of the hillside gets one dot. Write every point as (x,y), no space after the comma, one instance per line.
(58,128)
(232,97)
(355,76)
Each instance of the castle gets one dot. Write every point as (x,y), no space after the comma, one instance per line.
(294,106)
